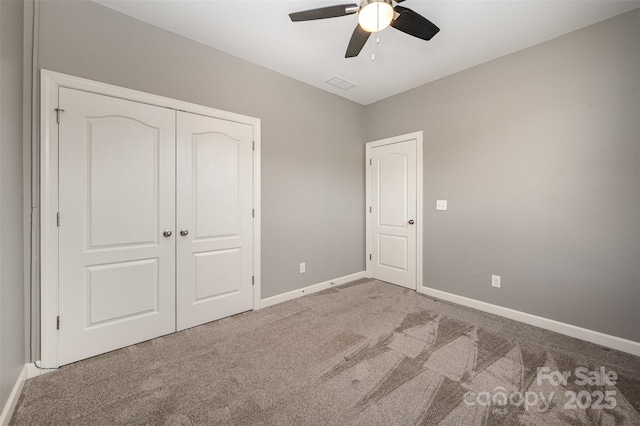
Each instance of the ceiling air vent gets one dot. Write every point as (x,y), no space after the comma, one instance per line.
(340,83)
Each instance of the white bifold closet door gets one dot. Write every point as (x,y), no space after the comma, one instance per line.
(155,231)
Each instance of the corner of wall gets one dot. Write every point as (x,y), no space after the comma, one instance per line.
(12,400)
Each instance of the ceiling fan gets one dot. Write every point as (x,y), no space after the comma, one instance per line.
(373,16)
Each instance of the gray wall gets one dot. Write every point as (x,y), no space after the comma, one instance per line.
(312,153)
(12,339)
(538,154)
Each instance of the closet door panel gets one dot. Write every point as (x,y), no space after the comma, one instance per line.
(214,215)
(116,197)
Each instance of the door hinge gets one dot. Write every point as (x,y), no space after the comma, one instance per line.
(253,146)
(58,219)
(253,280)
(58,111)
(370,163)
(253,212)
(369,256)
(58,322)
(370,209)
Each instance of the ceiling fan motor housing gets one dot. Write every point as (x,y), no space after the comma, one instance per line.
(364,3)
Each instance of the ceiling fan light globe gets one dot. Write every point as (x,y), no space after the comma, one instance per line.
(375,15)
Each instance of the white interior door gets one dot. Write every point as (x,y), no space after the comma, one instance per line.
(394,213)
(215,241)
(116,197)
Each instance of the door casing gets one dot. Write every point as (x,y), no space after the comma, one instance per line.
(50,82)
(419,199)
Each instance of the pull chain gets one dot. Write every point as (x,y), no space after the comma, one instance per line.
(373,55)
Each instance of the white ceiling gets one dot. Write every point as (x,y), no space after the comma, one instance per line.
(471,32)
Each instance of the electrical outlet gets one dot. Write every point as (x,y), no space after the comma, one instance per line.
(495,281)
(441,204)
(302,268)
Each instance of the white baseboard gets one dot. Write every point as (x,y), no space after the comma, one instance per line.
(12,401)
(29,371)
(33,371)
(294,294)
(613,342)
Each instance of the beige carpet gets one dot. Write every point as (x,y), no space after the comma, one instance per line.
(367,353)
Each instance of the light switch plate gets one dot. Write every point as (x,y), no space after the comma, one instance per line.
(441,204)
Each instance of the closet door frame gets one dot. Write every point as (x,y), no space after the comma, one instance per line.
(50,83)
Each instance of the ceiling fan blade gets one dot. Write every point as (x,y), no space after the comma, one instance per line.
(324,12)
(357,42)
(414,24)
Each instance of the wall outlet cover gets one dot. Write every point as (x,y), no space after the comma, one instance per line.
(495,281)
(441,204)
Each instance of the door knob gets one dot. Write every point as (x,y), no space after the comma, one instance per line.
(411,222)
(184,232)
(167,233)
